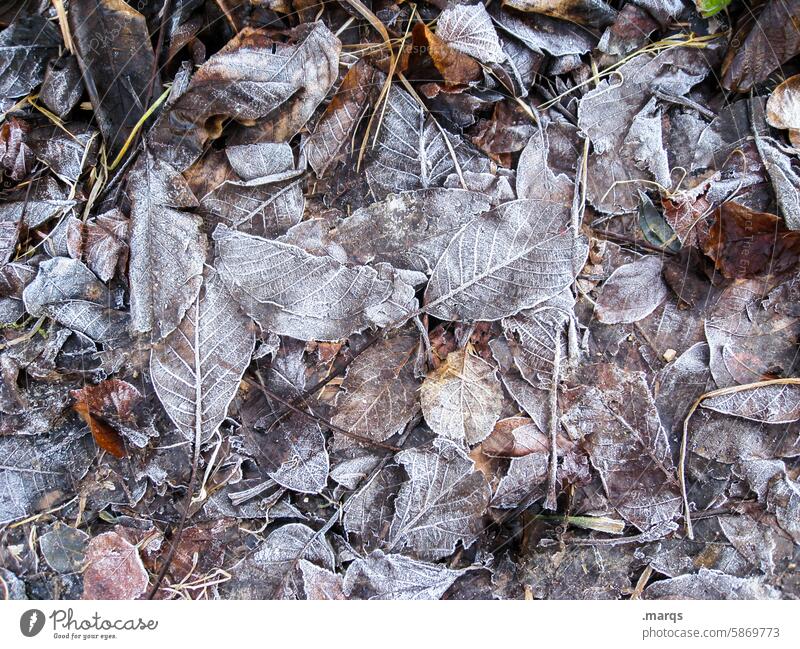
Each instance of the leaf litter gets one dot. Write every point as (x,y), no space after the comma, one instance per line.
(424,301)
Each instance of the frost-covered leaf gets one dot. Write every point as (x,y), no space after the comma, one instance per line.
(506,260)
(544,34)
(411,152)
(536,178)
(295,454)
(64,548)
(250,79)
(462,398)
(533,334)
(379,393)
(273,570)
(441,504)
(324,146)
(710,584)
(25,47)
(291,292)
(627,445)
(632,292)
(114,569)
(393,576)
(37,472)
(197,369)
(584,12)
(771,404)
(469,29)
(67,291)
(116,67)
(319,583)
(785,178)
(410,229)
(102,241)
(368,513)
(167,247)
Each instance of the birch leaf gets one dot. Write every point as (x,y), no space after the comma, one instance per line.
(462,398)
(411,150)
(441,504)
(167,248)
(379,394)
(506,260)
(469,29)
(291,292)
(632,292)
(393,576)
(770,404)
(409,230)
(197,369)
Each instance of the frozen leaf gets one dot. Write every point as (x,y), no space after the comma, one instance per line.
(757,537)
(295,454)
(762,45)
(101,241)
(785,178)
(462,398)
(114,569)
(393,576)
(680,383)
(67,291)
(710,584)
(62,86)
(771,404)
(469,29)
(323,147)
(107,407)
(536,178)
(533,334)
(25,47)
(783,500)
(379,394)
(273,570)
(441,504)
(408,230)
(411,152)
(117,62)
(632,292)
(319,583)
(368,513)
(455,67)
(167,247)
(291,292)
(64,548)
(584,12)
(506,260)
(197,369)
(627,445)
(544,34)
(251,78)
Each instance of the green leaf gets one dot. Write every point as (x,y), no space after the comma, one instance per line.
(654,227)
(708,8)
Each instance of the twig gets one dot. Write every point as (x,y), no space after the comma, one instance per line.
(551,500)
(685,438)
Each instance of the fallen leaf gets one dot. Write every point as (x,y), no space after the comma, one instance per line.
(114,569)
(632,292)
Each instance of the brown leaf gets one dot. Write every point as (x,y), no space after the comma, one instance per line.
(114,569)
(744,243)
(762,45)
(783,108)
(100,405)
(502,442)
(455,67)
(584,12)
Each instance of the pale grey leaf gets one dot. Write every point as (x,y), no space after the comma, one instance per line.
(506,260)
(378,396)
(442,503)
(36,472)
(272,571)
(536,179)
(785,180)
(67,291)
(291,292)
(710,584)
(167,247)
(411,151)
(394,576)
(25,47)
(408,230)
(64,548)
(462,399)
(263,162)
(295,454)
(533,334)
(783,500)
(197,369)
(544,34)
(632,292)
(469,29)
(627,445)
(368,513)
(771,404)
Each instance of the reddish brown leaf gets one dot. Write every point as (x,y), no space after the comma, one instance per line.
(114,569)
(456,68)
(744,243)
(102,404)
